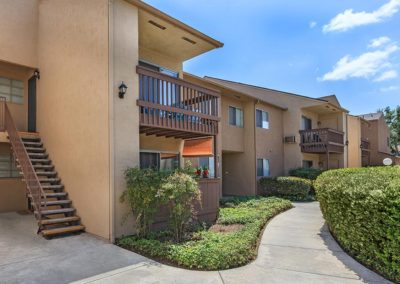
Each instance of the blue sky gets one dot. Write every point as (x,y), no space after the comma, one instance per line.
(313,48)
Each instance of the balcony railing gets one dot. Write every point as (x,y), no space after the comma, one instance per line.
(365,145)
(321,141)
(176,106)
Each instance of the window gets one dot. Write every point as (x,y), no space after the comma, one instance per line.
(209,163)
(262,168)
(235,116)
(8,168)
(306,123)
(12,90)
(262,119)
(307,164)
(159,161)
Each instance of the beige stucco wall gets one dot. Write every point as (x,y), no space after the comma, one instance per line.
(232,136)
(73,103)
(19,31)
(377,132)
(269,141)
(125,113)
(354,137)
(12,190)
(19,112)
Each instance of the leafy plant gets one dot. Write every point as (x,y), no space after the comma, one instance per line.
(292,188)
(362,209)
(179,191)
(307,173)
(142,195)
(208,250)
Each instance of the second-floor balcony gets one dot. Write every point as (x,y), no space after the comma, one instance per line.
(365,145)
(173,107)
(322,140)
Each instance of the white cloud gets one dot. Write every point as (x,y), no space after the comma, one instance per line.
(364,66)
(312,24)
(377,42)
(350,19)
(391,74)
(390,89)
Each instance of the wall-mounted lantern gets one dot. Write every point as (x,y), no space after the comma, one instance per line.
(122,90)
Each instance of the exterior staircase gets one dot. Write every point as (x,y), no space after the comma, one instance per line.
(57,215)
(47,199)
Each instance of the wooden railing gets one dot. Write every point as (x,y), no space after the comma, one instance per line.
(33,184)
(321,141)
(364,144)
(171,103)
(2,114)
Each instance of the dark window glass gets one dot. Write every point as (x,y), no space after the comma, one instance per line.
(306,123)
(307,164)
(262,119)
(149,160)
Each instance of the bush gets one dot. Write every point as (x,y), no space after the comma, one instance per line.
(210,250)
(362,209)
(180,191)
(142,195)
(292,188)
(308,173)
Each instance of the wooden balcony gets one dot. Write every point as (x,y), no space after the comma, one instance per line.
(173,107)
(365,145)
(319,141)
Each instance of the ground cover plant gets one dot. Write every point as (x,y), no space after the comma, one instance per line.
(362,209)
(231,242)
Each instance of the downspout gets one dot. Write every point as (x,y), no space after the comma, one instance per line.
(255,144)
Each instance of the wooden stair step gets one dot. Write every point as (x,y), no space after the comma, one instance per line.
(49,180)
(63,230)
(32,144)
(41,161)
(47,174)
(53,187)
(53,194)
(56,202)
(38,155)
(35,149)
(59,220)
(56,211)
(43,167)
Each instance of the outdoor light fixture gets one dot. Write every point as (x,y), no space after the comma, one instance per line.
(122,90)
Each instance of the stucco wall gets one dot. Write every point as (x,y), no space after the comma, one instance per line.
(73,103)
(19,31)
(269,141)
(12,190)
(125,113)
(160,59)
(232,136)
(354,137)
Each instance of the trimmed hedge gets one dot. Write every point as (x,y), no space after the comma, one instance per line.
(308,173)
(362,209)
(292,188)
(209,250)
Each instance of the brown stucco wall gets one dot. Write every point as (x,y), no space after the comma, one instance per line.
(19,32)
(73,103)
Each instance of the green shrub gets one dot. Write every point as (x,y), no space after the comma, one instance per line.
(308,173)
(362,209)
(209,250)
(142,196)
(292,188)
(180,191)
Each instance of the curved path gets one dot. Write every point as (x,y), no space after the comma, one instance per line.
(296,248)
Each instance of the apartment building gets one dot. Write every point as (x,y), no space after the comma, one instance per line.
(267,132)
(88,89)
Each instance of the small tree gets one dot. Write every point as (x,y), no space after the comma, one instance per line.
(180,191)
(142,195)
(392,117)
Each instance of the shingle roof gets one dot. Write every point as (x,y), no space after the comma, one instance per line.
(371,116)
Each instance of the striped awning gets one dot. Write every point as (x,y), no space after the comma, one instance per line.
(202,147)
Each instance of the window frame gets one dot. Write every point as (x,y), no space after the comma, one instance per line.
(263,163)
(307,161)
(13,171)
(267,117)
(303,117)
(158,153)
(12,97)
(241,121)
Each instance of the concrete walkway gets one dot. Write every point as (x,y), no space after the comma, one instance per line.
(296,248)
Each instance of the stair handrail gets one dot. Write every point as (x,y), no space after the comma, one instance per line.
(2,115)
(32,181)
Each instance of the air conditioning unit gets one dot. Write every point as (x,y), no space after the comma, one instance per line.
(290,139)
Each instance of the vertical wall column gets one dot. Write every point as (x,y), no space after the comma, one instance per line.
(125,131)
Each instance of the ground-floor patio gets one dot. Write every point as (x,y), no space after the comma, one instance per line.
(296,248)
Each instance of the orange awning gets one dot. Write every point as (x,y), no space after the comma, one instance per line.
(198,147)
